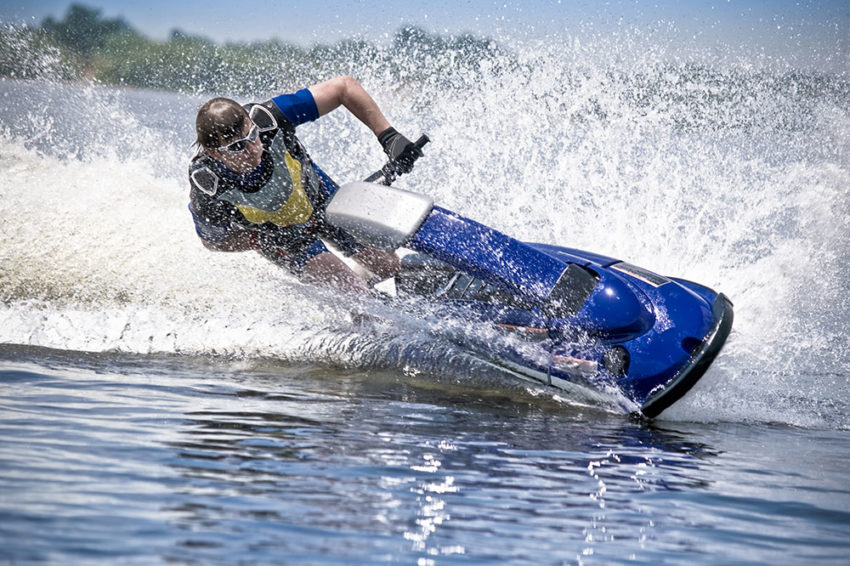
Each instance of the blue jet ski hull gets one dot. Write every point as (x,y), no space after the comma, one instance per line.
(652,337)
(600,321)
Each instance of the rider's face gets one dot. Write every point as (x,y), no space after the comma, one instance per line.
(243,161)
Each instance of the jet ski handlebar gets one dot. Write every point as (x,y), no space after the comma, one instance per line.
(388,173)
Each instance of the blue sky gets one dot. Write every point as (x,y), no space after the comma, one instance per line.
(814,28)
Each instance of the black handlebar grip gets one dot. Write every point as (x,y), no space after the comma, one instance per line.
(420,143)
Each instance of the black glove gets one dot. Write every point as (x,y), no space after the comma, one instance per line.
(401,151)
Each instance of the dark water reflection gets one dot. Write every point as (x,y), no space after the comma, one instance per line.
(424,471)
(112,459)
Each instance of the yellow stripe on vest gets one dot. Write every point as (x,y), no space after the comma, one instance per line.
(295,210)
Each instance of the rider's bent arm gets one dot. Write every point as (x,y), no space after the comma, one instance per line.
(348,92)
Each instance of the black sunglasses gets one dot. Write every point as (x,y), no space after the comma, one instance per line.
(241,144)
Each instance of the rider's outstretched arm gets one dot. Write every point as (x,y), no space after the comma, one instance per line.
(346,91)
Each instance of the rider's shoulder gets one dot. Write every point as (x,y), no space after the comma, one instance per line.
(203,175)
(268,117)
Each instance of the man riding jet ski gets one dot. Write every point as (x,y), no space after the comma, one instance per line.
(602,321)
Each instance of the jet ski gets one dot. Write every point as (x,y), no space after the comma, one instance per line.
(601,321)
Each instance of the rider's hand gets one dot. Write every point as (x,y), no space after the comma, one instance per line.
(399,149)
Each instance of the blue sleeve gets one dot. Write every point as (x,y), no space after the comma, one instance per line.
(298,107)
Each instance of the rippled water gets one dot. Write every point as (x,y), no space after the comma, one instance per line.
(126,459)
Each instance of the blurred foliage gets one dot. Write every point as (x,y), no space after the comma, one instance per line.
(83,45)
(83,31)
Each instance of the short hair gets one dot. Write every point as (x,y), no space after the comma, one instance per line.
(219,119)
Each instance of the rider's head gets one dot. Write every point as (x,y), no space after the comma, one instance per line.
(226,133)
(219,120)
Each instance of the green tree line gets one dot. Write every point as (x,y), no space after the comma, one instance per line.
(84,45)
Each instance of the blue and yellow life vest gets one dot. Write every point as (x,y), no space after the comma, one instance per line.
(281,198)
